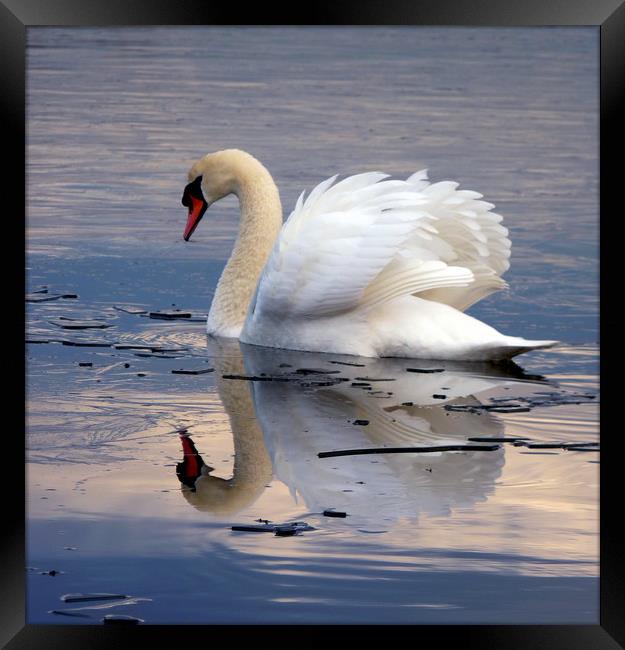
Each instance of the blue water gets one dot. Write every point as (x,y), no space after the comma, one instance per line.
(115,119)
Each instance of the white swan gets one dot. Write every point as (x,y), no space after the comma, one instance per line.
(365,266)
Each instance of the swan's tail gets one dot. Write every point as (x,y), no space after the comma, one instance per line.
(514,345)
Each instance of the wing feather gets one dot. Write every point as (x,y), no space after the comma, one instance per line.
(365,240)
(476,238)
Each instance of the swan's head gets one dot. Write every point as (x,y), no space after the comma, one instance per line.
(210,179)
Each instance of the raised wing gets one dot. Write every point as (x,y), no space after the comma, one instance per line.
(365,240)
(469,235)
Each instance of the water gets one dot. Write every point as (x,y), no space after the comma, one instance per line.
(115,119)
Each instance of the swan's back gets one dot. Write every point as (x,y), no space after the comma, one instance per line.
(380,267)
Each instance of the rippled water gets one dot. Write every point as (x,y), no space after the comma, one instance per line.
(115,118)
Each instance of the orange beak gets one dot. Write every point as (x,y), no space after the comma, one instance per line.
(197,208)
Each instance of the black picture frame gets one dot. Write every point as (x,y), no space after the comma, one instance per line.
(609,17)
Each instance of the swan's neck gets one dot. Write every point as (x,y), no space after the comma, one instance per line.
(252,469)
(261,220)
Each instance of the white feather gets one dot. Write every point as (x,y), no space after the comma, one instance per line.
(340,249)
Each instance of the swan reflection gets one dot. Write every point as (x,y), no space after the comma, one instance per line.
(292,411)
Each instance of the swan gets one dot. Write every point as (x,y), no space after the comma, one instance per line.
(365,266)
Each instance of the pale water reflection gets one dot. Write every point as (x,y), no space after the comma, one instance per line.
(514,511)
(281,426)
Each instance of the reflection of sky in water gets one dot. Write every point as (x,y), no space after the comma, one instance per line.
(501,512)
(115,119)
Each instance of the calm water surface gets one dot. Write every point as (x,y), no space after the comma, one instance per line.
(115,119)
